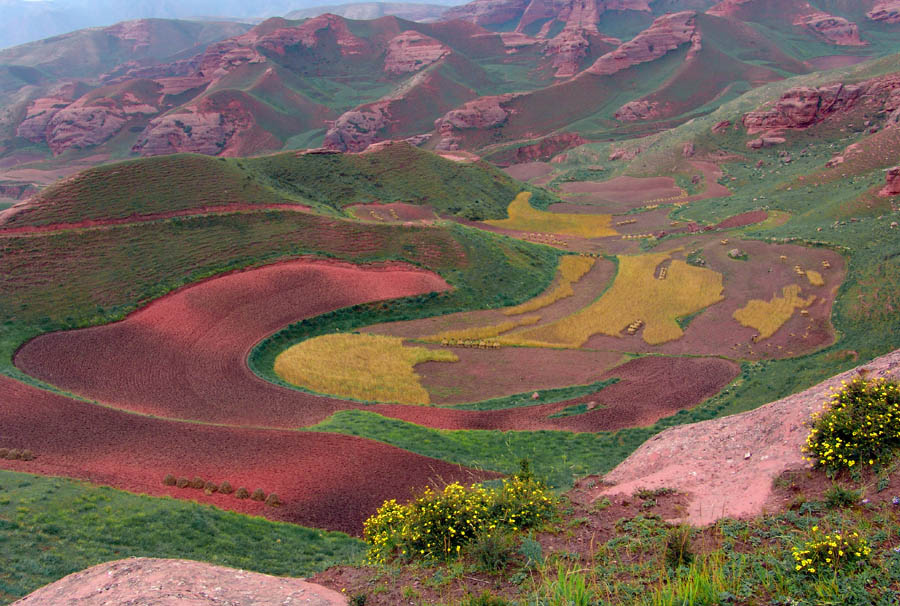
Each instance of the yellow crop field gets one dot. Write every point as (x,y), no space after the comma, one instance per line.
(815,278)
(363,367)
(637,294)
(524,217)
(768,316)
(571,269)
(481,332)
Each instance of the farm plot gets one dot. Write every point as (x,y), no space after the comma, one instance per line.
(764,271)
(323,480)
(183,356)
(361,367)
(525,218)
(650,291)
(621,194)
(647,390)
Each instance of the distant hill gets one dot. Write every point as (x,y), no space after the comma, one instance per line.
(374,10)
(28,20)
(489,77)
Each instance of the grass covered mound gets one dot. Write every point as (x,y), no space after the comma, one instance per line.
(52,527)
(396,172)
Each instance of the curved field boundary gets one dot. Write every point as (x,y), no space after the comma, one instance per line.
(188,212)
(184,356)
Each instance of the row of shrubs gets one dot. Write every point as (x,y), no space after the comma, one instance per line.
(13,454)
(225,487)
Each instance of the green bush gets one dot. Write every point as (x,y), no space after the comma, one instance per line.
(438,524)
(859,426)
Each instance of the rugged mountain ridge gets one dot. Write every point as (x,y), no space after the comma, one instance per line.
(452,84)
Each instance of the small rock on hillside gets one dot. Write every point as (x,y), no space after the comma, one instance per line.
(892,185)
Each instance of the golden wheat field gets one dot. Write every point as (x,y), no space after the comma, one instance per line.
(524,217)
(641,293)
(571,269)
(481,332)
(768,316)
(373,368)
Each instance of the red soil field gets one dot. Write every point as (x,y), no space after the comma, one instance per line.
(743,219)
(325,480)
(187,212)
(184,356)
(650,388)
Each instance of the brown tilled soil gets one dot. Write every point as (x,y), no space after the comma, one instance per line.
(528,170)
(649,389)
(727,465)
(715,332)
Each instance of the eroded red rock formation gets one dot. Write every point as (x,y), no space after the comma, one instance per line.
(802,107)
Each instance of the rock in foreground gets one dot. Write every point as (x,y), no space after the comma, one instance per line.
(157,582)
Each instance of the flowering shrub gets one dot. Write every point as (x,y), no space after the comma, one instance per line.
(438,524)
(829,551)
(860,425)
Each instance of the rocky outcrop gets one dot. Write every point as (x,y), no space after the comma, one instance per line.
(665,34)
(566,52)
(886,11)
(487,12)
(638,110)
(356,129)
(411,51)
(802,107)
(17,191)
(527,12)
(206,128)
(546,148)
(721,127)
(762,142)
(835,30)
(481,113)
(89,121)
(892,182)
(157,582)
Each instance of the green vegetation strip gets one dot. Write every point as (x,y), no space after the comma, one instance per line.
(545,396)
(558,457)
(52,527)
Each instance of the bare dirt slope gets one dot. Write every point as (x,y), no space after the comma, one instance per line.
(727,465)
(157,582)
